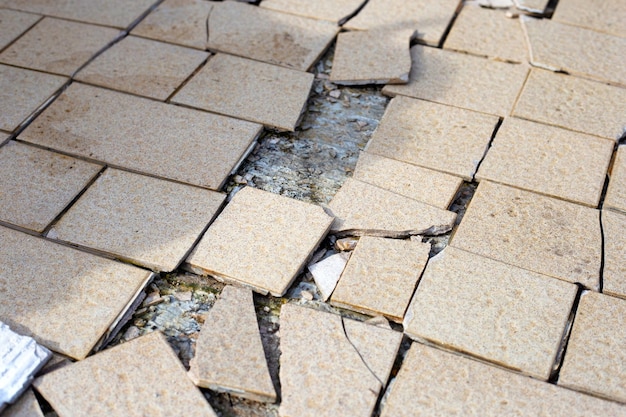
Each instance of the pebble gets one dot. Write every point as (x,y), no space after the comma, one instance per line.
(131,333)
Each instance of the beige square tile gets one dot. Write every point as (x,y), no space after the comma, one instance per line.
(250,90)
(143,67)
(548,160)
(261,240)
(595,356)
(601,15)
(414,131)
(532,6)
(22,92)
(138,378)
(573,103)
(265,35)
(36,185)
(229,354)
(71,312)
(430,18)
(462,80)
(332,10)
(26,406)
(486,32)
(616,192)
(144,220)
(614,272)
(322,350)
(58,46)
(491,310)
(534,232)
(142,135)
(381,276)
(451,385)
(14,23)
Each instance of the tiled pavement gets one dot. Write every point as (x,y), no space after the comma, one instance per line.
(485,219)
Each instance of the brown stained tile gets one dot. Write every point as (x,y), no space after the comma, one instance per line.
(265,35)
(22,92)
(595,356)
(36,185)
(236,249)
(413,131)
(548,160)
(145,220)
(14,23)
(229,354)
(616,192)
(532,6)
(614,272)
(364,209)
(322,350)
(451,385)
(573,103)
(143,67)
(250,90)
(58,46)
(421,184)
(430,18)
(138,378)
(534,232)
(559,47)
(381,276)
(83,300)
(601,15)
(491,310)
(26,406)
(142,135)
(332,10)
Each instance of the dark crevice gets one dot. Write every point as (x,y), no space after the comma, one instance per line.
(208,32)
(405,345)
(560,355)
(143,16)
(602,255)
(186,81)
(491,139)
(123,34)
(354,13)
(550,8)
(450,24)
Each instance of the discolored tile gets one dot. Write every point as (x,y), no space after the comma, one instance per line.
(600,15)
(616,191)
(614,272)
(14,23)
(332,10)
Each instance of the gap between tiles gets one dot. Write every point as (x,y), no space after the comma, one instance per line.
(567,331)
(450,24)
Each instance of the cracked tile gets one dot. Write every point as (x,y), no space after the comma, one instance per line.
(26,406)
(327,272)
(614,273)
(548,160)
(616,191)
(331,10)
(14,23)
(322,350)
(532,6)
(600,15)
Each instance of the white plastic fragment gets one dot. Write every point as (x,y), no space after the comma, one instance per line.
(327,272)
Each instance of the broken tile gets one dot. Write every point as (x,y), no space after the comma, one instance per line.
(26,406)
(372,57)
(265,35)
(601,15)
(92,291)
(573,103)
(229,354)
(532,6)
(614,272)
(143,67)
(261,240)
(58,46)
(381,276)
(548,160)
(322,350)
(327,272)
(144,220)
(142,135)
(22,92)
(498,312)
(616,191)
(451,385)
(462,80)
(496,4)
(430,18)
(250,90)
(595,356)
(421,184)
(139,378)
(364,209)
(40,184)
(331,10)
(14,23)
(534,232)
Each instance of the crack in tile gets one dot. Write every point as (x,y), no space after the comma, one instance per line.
(345,332)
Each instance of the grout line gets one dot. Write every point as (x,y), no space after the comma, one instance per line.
(25,31)
(121,35)
(186,81)
(142,16)
(560,355)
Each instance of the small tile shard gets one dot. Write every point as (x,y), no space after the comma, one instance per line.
(614,273)
(14,23)
(332,10)
(125,380)
(601,15)
(616,191)
(327,272)
(532,6)
(26,406)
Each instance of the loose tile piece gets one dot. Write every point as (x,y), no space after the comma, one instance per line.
(614,273)
(322,350)
(332,10)
(548,160)
(491,310)
(26,406)
(450,385)
(534,232)
(14,23)
(364,209)
(229,354)
(595,360)
(142,135)
(138,378)
(462,80)
(381,276)
(413,131)
(327,272)
(601,15)
(143,67)
(58,46)
(92,291)
(145,220)
(250,90)
(421,184)
(261,240)
(616,192)
(532,6)
(573,103)
(36,185)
